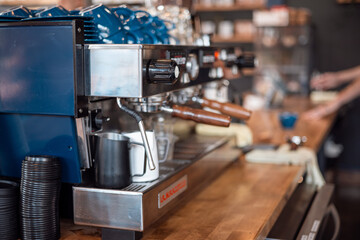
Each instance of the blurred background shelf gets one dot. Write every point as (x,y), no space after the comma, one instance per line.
(234,40)
(347,1)
(28,2)
(248,71)
(232,8)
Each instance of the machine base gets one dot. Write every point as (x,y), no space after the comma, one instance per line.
(141,204)
(118,234)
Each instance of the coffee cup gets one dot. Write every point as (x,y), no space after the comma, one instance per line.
(37,10)
(132,20)
(75,12)
(139,164)
(54,11)
(123,37)
(106,22)
(136,23)
(288,119)
(143,18)
(19,11)
(162,28)
(125,15)
(142,25)
(149,37)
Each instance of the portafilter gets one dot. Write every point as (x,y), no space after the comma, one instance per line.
(161,102)
(194,95)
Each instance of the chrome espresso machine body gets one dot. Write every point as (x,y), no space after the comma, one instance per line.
(56,92)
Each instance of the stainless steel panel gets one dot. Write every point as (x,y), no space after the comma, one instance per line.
(293,214)
(108,208)
(318,209)
(113,70)
(83,143)
(116,70)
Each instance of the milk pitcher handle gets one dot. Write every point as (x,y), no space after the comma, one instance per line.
(144,165)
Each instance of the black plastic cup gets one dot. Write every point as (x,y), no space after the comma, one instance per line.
(9,209)
(39,197)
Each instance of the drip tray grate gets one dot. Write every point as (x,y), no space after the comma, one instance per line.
(196,147)
(134,187)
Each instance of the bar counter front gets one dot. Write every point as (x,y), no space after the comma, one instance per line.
(246,199)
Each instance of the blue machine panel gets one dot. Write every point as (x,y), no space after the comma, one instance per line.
(22,135)
(37,69)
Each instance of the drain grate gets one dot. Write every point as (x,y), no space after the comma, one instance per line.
(134,187)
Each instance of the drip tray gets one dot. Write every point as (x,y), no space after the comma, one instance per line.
(197,161)
(188,151)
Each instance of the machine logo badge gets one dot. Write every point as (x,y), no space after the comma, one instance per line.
(172,191)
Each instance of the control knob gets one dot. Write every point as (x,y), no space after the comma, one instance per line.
(243,61)
(162,71)
(192,66)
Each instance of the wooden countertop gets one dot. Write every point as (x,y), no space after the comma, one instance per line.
(266,127)
(245,201)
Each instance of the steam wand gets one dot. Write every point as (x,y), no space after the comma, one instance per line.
(141,125)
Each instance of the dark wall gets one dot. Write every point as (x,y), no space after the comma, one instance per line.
(336,33)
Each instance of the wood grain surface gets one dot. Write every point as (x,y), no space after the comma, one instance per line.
(266,126)
(245,201)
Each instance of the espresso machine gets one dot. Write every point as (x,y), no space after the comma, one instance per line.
(57,93)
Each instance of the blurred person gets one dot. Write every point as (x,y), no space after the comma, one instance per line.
(345,134)
(332,80)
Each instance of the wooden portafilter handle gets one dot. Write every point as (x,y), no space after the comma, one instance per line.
(200,116)
(230,109)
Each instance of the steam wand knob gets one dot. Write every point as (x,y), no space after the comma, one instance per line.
(162,71)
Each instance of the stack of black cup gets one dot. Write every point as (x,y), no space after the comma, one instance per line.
(39,197)
(9,202)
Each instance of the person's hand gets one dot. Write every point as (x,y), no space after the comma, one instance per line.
(325,81)
(322,111)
